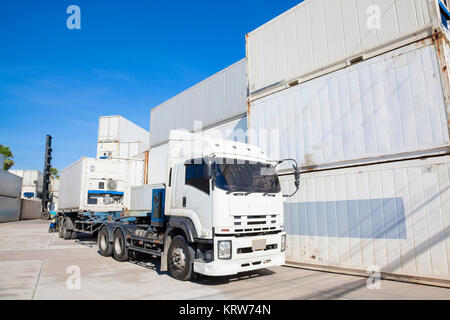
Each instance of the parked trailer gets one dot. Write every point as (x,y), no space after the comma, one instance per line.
(219,212)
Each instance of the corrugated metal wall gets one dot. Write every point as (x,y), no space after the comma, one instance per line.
(324,34)
(394,215)
(216,99)
(119,129)
(10,189)
(389,105)
(235,130)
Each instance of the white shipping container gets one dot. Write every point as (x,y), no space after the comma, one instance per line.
(94,185)
(141,197)
(385,107)
(9,209)
(235,130)
(30,209)
(320,36)
(157,167)
(10,184)
(122,150)
(215,100)
(395,216)
(119,129)
(32,182)
(135,178)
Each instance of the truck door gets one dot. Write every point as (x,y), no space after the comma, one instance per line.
(193,192)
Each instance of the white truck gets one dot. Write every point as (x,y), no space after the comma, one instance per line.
(219,212)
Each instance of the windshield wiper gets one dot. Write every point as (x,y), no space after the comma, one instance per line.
(245,192)
(270,194)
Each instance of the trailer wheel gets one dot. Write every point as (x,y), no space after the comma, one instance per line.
(120,250)
(104,246)
(181,259)
(67,235)
(60,227)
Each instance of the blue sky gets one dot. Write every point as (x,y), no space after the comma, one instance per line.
(128,57)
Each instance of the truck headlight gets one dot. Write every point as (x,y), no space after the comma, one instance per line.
(283,242)
(224,250)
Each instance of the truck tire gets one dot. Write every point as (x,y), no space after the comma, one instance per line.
(105,248)
(60,227)
(67,235)
(120,250)
(180,259)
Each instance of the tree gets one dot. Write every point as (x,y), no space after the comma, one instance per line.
(4,150)
(54,173)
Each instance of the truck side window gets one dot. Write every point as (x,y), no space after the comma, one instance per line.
(196,177)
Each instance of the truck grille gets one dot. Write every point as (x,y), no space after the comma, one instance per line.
(254,221)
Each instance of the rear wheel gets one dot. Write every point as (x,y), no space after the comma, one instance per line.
(67,234)
(120,251)
(104,246)
(181,259)
(45,215)
(60,227)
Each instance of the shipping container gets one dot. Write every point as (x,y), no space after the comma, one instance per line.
(136,173)
(9,209)
(120,150)
(119,129)
(320,36)
(385,108)
(54,189)
(94,185)
(218,99)
(32,182)
(30,209)
(157,166)
(10,184)
(141,198)
(395,216)
(235,130)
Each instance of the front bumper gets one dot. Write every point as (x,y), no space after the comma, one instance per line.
(242,262)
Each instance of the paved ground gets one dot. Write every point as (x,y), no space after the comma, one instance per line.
(38,265)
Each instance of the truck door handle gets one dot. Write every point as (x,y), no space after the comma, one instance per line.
(184,202)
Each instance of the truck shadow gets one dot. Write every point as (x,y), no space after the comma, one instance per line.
(86,241)
(216,281)
(154,265)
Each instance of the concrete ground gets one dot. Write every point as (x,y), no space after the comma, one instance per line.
(37,265)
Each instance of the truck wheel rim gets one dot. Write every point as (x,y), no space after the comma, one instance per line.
(178,259)
(103,242)
(118,246)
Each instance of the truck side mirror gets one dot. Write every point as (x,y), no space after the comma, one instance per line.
(208,171)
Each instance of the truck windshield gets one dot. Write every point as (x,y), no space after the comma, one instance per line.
(233,175)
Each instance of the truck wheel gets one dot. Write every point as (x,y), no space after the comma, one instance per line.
(60,227)
(45,216)
(181,259)
(67,235)
(120,250)
(104,246)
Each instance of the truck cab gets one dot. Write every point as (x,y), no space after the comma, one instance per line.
(219,211)
(231,195)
